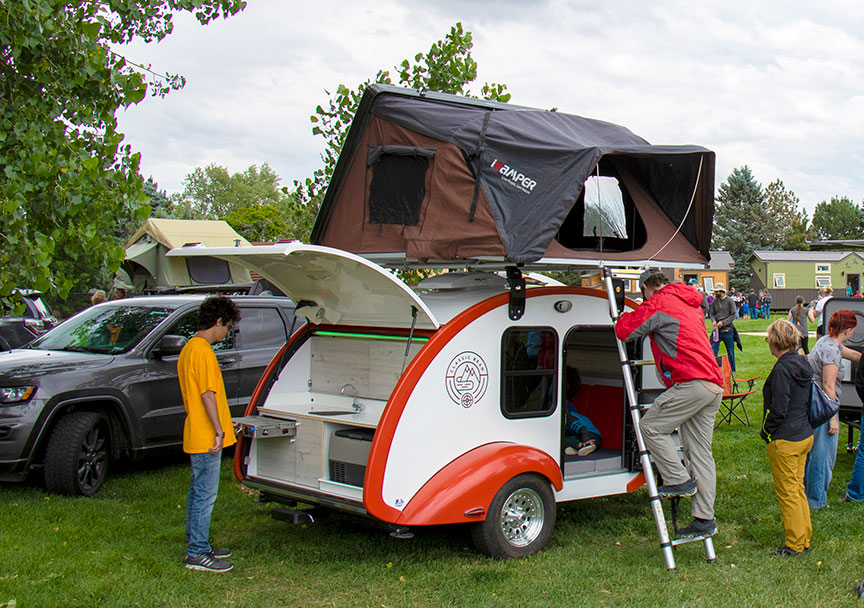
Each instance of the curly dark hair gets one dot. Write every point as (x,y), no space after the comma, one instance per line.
(217,307)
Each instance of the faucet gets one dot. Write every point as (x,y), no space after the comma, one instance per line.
(357,407)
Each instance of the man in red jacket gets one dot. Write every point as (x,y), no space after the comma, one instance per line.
(672,316)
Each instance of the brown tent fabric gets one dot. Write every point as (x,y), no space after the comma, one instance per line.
(440,178)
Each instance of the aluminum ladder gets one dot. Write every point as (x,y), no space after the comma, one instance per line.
(627,367)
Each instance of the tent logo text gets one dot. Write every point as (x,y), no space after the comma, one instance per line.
(514,177)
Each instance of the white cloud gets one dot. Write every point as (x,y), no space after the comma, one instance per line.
(774,85)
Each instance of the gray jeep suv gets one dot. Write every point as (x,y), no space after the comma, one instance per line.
(103,384)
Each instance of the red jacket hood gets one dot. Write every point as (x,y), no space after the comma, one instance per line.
(688,295)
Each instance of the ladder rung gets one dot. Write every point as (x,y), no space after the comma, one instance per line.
(641,362)
(684,541)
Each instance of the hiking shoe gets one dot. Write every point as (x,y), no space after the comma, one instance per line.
(688,488)
(219,553)
(698,527)
(785,551)
(208,563)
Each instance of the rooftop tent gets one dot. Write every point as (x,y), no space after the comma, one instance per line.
(146,262)
(429,177)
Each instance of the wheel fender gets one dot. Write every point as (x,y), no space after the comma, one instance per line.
(463,490)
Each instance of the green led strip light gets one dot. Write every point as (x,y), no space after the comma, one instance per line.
(337,334)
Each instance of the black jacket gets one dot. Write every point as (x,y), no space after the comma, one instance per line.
(786,395)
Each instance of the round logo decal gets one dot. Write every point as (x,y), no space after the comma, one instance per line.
(467,378)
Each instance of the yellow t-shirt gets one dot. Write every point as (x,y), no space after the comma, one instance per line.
(198,371)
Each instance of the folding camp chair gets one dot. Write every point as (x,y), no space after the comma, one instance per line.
(734,394)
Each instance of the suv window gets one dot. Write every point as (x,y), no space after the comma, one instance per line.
(529,372)
(187,325)
(260,327)
(108,330)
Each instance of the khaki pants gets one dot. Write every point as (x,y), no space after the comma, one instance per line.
(787,460)
(691,408)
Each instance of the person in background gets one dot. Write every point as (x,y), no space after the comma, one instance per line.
(695,285)
(798,316)
(786,429)
(753,303)
(849,291)
(826,361)
(765,302)
(98,297)
(672,317)
(207,429)
(722,314)
(855,488)
(815,312)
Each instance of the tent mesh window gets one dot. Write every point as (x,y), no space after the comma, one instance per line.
(398,185)
(579,231)
(208,271)
(529,372)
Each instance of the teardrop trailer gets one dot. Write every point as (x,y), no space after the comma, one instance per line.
(445,403)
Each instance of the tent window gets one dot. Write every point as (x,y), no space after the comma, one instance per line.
(398,185)
(603,217)
(208,271)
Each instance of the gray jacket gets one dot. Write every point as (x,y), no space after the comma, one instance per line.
(723,311)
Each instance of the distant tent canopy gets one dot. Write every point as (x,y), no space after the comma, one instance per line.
(149,268)
(435,177)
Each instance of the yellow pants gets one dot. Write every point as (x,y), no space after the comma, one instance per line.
(787,460)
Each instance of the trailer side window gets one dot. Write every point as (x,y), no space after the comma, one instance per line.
(529,372)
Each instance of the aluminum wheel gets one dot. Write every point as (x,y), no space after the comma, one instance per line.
(92,459)
(522,517)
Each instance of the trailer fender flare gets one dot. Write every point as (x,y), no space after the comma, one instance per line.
(462,491)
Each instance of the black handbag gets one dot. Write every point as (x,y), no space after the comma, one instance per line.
(822,407)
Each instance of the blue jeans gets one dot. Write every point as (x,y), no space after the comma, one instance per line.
(820,466)
(203,488)
(855,489)
(727,338)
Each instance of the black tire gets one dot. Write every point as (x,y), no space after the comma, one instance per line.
(76,461)
(520,521)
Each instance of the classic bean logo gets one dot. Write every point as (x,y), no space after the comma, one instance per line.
(467,378)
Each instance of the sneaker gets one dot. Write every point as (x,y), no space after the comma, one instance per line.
(586,449)
(847,498)
(688,488)
(698,527)
(220,553)
(208,563)
(785,551)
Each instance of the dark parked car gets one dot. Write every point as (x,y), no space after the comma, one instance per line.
(103,384)
(37,318)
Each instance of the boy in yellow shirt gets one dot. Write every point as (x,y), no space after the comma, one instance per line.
(207,428)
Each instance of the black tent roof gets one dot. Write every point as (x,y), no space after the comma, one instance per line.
(531,165)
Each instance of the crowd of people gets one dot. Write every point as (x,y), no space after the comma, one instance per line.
(801,454)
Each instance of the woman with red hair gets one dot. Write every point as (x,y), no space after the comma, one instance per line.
(826,360)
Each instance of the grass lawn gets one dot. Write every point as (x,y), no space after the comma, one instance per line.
(124,547)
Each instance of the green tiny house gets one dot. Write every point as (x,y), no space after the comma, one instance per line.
(787,274)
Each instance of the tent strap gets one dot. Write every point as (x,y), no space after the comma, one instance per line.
(686,213)
(481,145)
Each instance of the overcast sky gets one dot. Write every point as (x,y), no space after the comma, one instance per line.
(774,85)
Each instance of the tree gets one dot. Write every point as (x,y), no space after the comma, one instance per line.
(838,219)
(748,218)
(448,68)
(158,199)
(791,219)
(66,180)
(212,192)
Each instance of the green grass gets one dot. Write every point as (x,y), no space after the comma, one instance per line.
(124,547)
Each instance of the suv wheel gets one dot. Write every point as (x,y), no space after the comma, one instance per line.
(76,460)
